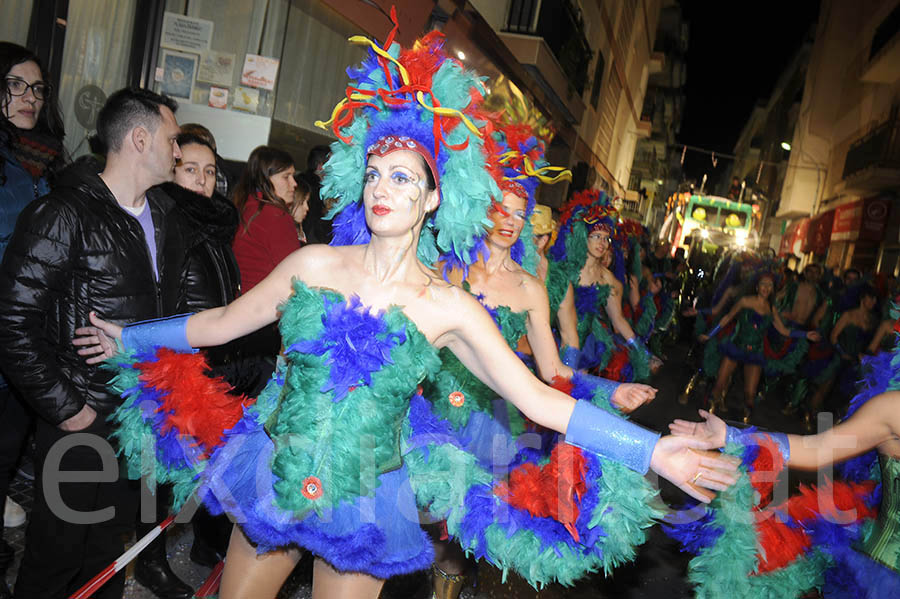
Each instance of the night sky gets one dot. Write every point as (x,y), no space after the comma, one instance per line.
(736,53)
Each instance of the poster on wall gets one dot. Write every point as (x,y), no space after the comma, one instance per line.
(179,70)
(246,99)
(218,97)
(187,34)
(216,68)
(259,72)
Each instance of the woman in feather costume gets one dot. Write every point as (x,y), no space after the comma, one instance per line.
(517,302)
(843,538)
(336,455)
(587,261)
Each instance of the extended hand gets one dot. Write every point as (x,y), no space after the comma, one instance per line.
(711,432)
(814,336)
(98,341)
(703,338)
(681,461)
(630,396)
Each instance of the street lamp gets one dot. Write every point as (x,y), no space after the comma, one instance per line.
(785,146)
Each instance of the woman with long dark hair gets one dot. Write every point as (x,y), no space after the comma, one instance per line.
(31,151)
(263,196)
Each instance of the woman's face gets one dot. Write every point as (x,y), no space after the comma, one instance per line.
(197,169)
(300,207)
(868,303)
(765,287)
(395,192)
(508,218)
(598,243)
(541,242)
(23,110)
(283,184)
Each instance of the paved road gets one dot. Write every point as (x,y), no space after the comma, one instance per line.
(658,570)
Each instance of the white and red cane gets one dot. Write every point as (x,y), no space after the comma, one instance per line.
(123,560)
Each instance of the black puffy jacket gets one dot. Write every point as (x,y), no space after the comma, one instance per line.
(73,251)
(210,275)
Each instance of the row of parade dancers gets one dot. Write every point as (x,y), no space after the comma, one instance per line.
(379,347)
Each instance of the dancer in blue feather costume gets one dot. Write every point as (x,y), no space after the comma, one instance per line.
(336,455)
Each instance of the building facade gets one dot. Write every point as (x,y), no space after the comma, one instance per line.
(844,166)
(655,171)
(263,71)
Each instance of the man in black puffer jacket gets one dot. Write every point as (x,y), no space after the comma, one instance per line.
(99,243)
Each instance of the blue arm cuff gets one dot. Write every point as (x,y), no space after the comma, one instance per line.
(637,343)
(714,331)
(798,334)
(596,430)
(168,332)
(751,437)
(569,356)
(605,387)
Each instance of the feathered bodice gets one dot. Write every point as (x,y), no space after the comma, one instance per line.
(883,544)
(350,373)
(454,391)
(751,330)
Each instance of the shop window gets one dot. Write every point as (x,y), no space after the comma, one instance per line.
(94,64)
(15,21)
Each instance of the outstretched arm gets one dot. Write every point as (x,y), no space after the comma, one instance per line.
(250,312)
(874,423)
(472,336)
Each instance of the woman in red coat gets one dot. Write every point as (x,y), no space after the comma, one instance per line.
(267,232)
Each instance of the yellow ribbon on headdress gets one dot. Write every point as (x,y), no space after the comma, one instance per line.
(563,174)
(404,76)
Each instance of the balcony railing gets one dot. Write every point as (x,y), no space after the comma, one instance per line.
(559,22)
(877,149)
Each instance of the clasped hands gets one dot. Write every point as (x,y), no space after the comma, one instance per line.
(685,457)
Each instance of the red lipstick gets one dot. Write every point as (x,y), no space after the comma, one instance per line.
(380,210)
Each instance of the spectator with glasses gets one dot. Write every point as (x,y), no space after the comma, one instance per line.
(31,150)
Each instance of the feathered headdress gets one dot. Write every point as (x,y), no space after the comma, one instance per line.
(426,100)
(585,211)
(515,158)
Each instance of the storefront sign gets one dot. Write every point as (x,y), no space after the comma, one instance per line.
(847,219)
(863,219)
(184,33)
(216,68)
(88,102)
(792,240)
(819,235)
(876,211)
(259,71)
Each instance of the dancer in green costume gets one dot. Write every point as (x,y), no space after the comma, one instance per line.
(362,324)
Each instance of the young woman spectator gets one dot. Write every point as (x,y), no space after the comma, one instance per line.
(31,150)
(267,232)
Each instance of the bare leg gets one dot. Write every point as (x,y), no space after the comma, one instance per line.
(248,574)
(449,569)
(328,583)
(726,368)
(752,373)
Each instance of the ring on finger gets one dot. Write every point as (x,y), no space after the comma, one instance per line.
(696,477)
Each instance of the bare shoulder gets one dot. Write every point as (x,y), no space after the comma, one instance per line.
(320,258)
